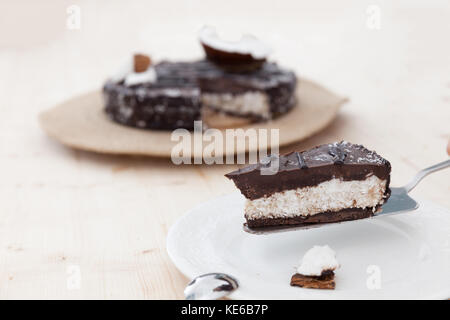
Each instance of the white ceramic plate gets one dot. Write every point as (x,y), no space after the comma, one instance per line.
(408,253)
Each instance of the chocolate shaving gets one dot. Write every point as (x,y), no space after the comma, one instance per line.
(337,153)
(301,162)
(267,161)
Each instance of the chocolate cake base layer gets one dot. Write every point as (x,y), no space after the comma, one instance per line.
(324,281)
(325,217)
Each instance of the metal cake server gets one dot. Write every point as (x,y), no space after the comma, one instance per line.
(210,286)
(399,202)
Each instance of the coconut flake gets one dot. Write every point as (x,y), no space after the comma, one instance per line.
(247,45)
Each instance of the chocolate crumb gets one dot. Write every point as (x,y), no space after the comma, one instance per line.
(301,161)
(324,281)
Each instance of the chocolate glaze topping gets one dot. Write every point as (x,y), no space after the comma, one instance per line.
(342,160)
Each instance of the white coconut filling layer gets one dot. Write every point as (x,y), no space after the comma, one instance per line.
(253,102)
(318,259)
(332,195)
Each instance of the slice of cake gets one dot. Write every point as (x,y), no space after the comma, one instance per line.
(329,183)
(316,270)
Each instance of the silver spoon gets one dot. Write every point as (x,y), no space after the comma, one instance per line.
(398,202)
(210,286)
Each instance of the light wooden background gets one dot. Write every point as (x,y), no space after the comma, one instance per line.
(64,211)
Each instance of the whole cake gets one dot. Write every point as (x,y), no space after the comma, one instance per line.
(330,183)
(235,80)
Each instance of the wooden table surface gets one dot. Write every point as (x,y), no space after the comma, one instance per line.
(79,225)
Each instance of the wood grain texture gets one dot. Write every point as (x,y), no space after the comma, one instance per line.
(107,216)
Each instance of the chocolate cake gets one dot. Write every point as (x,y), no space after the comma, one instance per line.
(181,89)
(316,270)
(330,183)
(235,80)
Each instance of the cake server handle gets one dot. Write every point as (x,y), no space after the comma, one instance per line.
(423,173)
